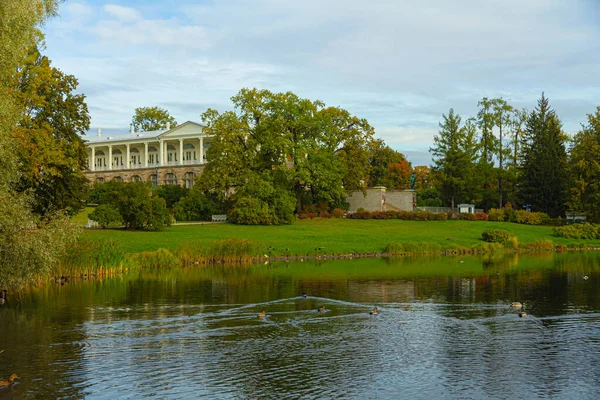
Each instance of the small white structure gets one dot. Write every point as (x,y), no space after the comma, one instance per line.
(466,208)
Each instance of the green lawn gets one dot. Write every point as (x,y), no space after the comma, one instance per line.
(331,236)
(82,217)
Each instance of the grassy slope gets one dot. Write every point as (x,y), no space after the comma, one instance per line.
(334,236)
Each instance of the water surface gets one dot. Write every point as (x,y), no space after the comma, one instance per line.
(445,331)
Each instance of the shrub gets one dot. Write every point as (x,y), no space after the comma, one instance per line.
(495,215)
(337,213)
(578,231)
(105,215)
(439,216)
(250,211)
(196,206)
(360,210)
(467,216)
(481,216)
(529,218)
(325,214)
(496,235)
(511,243)
(161,258)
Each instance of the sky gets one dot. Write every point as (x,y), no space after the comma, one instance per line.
(400,64)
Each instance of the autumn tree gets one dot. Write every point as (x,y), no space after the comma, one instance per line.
(388,167)
(147,119)
(29,245)
(543,178)
(48,138)
(585,169)
(279,149)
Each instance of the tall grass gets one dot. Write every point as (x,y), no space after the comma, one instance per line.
(229,250)
(412,248)
(92,256)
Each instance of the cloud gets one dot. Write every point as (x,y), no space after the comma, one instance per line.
(124,14)
(398,64)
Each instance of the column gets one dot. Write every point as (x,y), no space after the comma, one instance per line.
(110,160)
(145,154)
(128,159)
(201,150)
(180,151)
(160,153)
(93,164)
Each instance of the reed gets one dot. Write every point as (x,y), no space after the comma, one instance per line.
(161,258)
(412,248)
(222,251)
(543,245)
(488,248)
(91,256)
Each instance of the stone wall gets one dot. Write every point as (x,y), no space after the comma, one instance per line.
(145,173)
(380,199)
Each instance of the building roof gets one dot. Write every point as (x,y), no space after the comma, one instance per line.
(125,136)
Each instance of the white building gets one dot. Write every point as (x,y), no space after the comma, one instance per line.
(173,156)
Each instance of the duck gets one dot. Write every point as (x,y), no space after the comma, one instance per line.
(10,381)
(375,311)
(585,277)
(304,294)
(522,314)
(321,309)
(516,304)
(262,314)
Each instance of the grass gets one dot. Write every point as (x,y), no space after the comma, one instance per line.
(332,236)
(82,217)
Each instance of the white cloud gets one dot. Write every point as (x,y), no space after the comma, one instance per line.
(124,14)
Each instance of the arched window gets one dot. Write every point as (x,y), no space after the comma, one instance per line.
(171,154)
(100,161)
(136,158)
(188,179)
(117,158)
(154,180)
(100,180)
(136,178)
(152,156)
(171,179)
(118,179)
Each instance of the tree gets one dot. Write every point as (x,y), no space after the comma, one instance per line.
(453,153)
(503,116)
(544,178)
(380,158)
(105,215)
(48,136)
(585,169)
(152,119)
(277,146)
(29,245)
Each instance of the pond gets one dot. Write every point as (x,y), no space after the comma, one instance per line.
(445,330)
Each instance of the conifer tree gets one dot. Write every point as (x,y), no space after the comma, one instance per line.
(544,179)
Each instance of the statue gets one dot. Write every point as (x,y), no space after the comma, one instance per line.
(413,179)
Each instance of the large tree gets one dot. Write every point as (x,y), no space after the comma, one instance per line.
(453,156)
(277,146)
(50,148)
(29,246)
(388,166)
(544,175)
(585,169)
(152,119)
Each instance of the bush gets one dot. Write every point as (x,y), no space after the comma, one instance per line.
(338,213)
(544,245)
(511,243)
(529,218)
(467,217)
(481,248)
(325,214)
(496,235)
(106,215)
(250,211)
(481,216)
(578,231)
(196,206)
(161,258)
(495,215)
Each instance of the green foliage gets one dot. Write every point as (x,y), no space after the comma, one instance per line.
(196,206)
(152,119)
(454,155)
(585,169)
(544,245)
(171,193)
(48,136)
(544,173)
(285,144)
(495,214)
(496,235)
(251,211)
(429,197)
(388,167)
(578,231)
(106,215)
(488,248)
(511,243)
(138,206)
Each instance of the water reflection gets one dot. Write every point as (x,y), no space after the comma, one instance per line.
(445,330)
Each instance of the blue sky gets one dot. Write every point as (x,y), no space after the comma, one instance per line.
(400,64)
